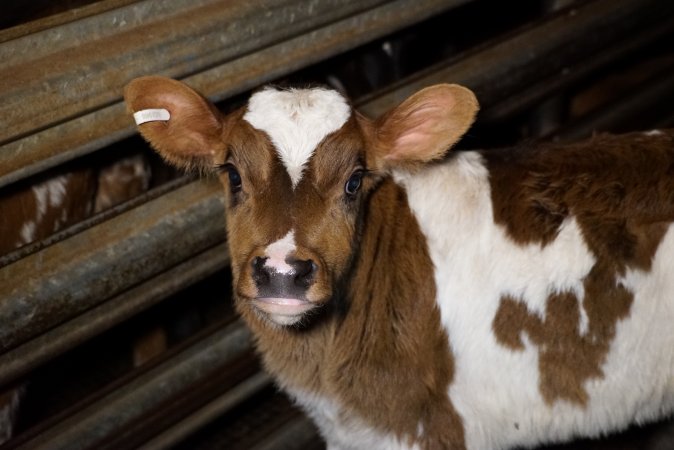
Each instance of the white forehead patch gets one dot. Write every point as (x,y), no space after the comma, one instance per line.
(296,121)
(278,251)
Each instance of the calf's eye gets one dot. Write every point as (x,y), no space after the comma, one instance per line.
(234,178)
(353,183)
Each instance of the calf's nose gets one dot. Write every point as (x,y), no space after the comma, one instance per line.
(290,280)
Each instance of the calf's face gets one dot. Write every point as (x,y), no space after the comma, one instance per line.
(297,167)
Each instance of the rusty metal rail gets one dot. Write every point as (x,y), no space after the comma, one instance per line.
(113,417)
(68,278)
(62,100)
(102,317)
(624,113)
(607,30)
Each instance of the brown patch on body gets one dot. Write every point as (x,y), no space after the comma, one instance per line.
(31,212)
(620,189)
(609,183)
(567,358)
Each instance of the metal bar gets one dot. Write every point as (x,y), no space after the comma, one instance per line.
(91,73)
(61,281)
(622,114)
(209,412)
(88,23)
(104,215)
(104,420)
(539,52)
(299,434)
(47,131)
(115,310)
(55,20)
(577,70)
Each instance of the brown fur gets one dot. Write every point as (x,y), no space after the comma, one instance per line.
(19,207)
(534,189)
(623,206)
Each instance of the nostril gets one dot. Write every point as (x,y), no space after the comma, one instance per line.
(304,273)
(260,272)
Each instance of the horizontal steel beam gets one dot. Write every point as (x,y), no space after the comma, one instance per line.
(89,61)
(55,341)
(208,413)
(547,50)
(64,102)
(61,281)
(623,113)
(115,415)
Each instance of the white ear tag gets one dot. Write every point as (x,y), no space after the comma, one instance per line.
(151,115)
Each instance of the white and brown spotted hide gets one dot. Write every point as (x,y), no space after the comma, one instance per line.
(33,211)
(409,299)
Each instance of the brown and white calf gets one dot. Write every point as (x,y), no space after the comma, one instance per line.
(487,300)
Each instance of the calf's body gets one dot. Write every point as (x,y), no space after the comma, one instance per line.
(488,300)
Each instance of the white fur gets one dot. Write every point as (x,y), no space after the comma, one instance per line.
(27,233)
(296,121)
(343,430)
(49,194)
(654,133)
(278,251)
(496,389)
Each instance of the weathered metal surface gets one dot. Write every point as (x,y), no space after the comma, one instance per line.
(209,412)
(546,50)
(76,108)
(90,74)
(577,70)
(299,434)
(112,417)
(55,341)
(98,218)
(63,280)
(59,18)
(623,113)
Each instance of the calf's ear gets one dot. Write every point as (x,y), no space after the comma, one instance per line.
(425,126)
(184,127)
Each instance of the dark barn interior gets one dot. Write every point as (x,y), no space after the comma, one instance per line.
(116,325)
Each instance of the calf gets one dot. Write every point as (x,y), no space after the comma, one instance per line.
(487,300)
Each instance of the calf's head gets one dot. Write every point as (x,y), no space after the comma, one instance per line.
(298,167)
